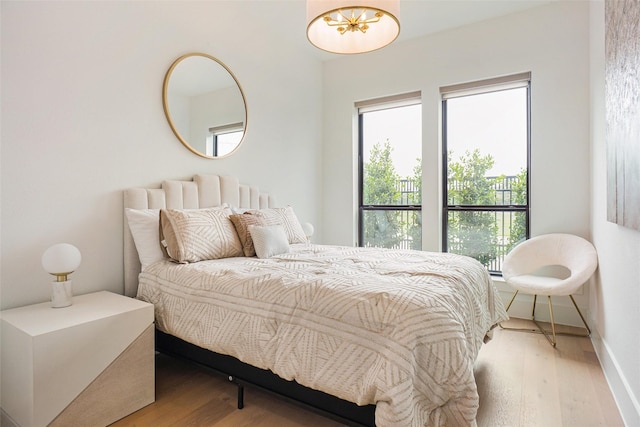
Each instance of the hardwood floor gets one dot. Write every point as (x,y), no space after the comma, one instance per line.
(522,381)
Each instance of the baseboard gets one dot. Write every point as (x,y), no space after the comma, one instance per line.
(627,403)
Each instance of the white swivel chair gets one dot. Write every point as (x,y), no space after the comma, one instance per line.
(525,266)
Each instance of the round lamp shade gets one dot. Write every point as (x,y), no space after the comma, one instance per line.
(326,31)
(308,229)
(61,259)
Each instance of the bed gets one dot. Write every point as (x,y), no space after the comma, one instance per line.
(368,336)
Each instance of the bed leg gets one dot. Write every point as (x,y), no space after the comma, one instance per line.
(240,392)
(240,396)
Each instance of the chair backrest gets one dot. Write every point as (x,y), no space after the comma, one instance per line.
(567,250)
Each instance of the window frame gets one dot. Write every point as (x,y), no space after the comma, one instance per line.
(522,80)
(394,101)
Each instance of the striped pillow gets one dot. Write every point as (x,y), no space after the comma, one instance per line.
(194,235)
(242,222)
(289,221)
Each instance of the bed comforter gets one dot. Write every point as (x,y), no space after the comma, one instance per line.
(400,329)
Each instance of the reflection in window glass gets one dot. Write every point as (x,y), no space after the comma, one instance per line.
(223,143)
(486,138)
(227,142)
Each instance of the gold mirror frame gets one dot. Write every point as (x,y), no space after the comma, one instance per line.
(223,73)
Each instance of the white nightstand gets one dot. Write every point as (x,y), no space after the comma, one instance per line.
(88,364)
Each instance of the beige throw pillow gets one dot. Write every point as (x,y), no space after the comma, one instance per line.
(289,221)
(194,235)
(242,223)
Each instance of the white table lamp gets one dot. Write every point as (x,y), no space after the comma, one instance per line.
(308,229)
(61,260)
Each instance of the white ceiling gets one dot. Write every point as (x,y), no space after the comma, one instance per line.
(283,22)
(422,17)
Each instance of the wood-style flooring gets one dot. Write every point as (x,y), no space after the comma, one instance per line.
(522,381)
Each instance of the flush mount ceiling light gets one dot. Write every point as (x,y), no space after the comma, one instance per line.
(352,26)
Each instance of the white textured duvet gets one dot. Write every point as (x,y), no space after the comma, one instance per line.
(400,329)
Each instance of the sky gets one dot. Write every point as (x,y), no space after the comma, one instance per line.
(402,126)
(495,123)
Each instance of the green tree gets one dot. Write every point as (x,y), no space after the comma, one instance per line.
(414,227)
(381,228)
(472,233)
(518,228)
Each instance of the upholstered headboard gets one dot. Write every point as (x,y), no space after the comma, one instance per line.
(204,191)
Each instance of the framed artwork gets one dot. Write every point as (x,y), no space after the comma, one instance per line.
(622,100)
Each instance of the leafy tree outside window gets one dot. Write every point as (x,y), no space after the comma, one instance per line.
(486,135)
(473,233)
(390,180)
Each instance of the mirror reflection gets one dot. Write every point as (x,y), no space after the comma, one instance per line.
(204,105)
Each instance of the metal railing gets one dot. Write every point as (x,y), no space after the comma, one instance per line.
(406,222)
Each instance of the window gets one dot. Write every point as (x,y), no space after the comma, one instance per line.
(390,173)
(224,139)
(486,140)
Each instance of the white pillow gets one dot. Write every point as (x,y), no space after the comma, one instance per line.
(145,229)
(269,240)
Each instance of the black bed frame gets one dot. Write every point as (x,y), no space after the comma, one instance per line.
(242,374)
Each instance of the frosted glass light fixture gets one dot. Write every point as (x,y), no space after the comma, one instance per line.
(352,26)
(308,229)
(61,260)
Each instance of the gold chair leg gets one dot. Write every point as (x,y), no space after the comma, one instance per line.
(553,325)
(512,298)
(541,330)
(533,309)
(581,316)
(508,307)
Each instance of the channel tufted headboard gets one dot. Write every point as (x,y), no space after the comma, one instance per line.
(204,191)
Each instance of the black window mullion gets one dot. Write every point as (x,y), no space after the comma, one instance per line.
(391,207)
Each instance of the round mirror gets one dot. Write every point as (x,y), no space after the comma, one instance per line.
(204,105)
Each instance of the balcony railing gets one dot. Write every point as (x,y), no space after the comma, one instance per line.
(404,225)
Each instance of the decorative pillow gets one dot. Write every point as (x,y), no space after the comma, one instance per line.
(198,234)
(269,240)
(144,226)
(242,222)
(289,221)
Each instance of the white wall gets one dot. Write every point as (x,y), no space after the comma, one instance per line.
(615,300)
(550,41)
(82,120)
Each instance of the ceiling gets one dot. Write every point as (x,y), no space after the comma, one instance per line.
(422,17)
(417,18)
